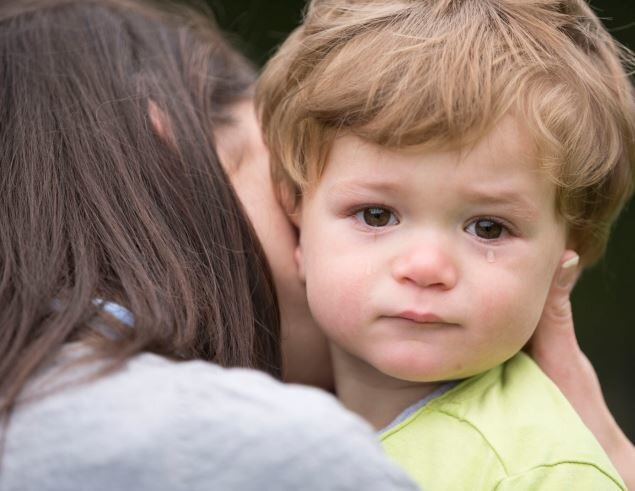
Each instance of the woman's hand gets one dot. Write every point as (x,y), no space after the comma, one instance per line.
(555,348)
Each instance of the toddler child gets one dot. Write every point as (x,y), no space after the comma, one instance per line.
(442,159)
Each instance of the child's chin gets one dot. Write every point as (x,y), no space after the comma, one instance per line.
(426,373)
(409,374)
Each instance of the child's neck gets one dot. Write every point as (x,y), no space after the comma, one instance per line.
(377,397)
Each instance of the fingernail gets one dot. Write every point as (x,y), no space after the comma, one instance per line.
(572,261)
(568,272)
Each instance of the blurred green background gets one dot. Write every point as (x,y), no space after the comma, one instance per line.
(604,316)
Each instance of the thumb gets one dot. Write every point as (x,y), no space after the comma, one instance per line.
(558,304)
(566,277)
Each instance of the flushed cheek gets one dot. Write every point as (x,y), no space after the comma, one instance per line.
(338,297)
(503,316)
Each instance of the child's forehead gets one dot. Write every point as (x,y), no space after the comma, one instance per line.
(506,140)
(506,149)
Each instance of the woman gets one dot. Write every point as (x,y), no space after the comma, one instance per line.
(126,257)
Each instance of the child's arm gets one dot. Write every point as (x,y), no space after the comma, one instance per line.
(555,348)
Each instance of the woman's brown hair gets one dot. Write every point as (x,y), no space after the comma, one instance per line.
(95,203)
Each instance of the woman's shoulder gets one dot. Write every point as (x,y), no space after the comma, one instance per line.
(159,424)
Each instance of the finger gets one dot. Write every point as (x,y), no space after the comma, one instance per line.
(566,277)
(556,323)
(558,305)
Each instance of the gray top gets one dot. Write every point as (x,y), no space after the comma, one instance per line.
(159,425)
(410,410)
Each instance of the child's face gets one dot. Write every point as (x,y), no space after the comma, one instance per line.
(431,266)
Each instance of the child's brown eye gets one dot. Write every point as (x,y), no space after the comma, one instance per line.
(375,216)
(486,229)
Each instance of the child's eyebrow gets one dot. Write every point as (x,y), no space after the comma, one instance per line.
(354,187)
(515,202)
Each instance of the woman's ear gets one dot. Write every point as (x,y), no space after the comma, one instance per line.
(299,259)
(160,123)
(295,214)
(290,201)
(296,218)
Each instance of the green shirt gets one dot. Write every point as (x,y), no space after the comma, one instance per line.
(507,428)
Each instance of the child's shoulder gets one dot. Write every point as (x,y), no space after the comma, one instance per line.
(509,426)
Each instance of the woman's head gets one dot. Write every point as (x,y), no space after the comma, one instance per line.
(242,151)
(96,202)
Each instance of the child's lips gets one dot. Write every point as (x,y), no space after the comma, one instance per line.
(421,317)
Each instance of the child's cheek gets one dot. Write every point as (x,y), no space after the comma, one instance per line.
(510,308)
(338,298)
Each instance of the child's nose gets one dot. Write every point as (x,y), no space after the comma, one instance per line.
(426,265)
